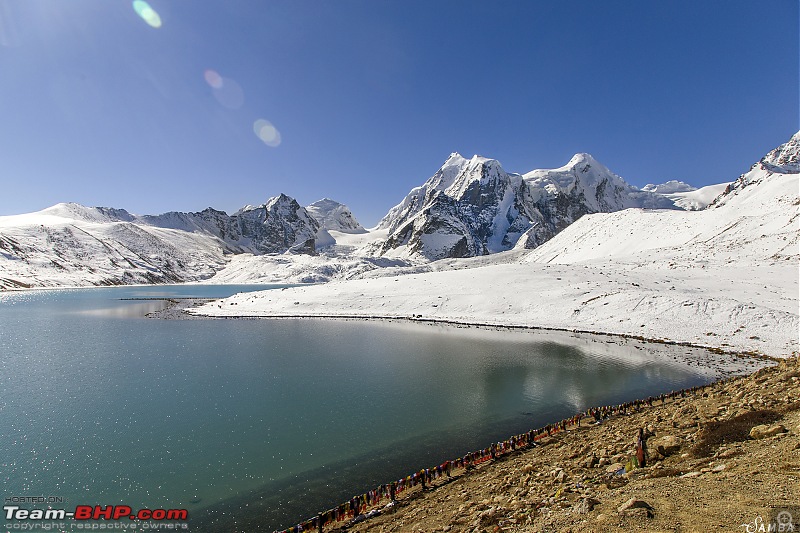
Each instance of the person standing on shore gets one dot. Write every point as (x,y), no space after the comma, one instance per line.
(641,448)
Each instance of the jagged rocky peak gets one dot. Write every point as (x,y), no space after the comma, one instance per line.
(245,209)
(582,170)
(785,159)
(457,178)
(588,182)
(334,216)
(473,207)
(458,169)
(478,175)
(280,225)
(276,226)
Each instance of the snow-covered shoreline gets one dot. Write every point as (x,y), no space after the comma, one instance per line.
(555,297)
(725,277)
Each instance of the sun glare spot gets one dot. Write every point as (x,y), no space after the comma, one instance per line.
(225,90)
(268,133)
(213,79)
(147,13)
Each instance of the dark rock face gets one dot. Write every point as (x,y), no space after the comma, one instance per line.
(278,226)
(114,247)
(439,230)
(785,159)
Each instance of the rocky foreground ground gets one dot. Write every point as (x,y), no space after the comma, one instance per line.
(727,459)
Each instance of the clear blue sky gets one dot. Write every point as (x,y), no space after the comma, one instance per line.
(369,97)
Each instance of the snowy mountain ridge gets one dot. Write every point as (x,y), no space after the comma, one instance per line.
(332,215)
(724,277)
(669,187)
(70,244)
(785,159)
(468,208)
(472,207)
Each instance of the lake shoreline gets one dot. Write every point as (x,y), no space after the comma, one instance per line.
(722,458)
(422,504)
(180,309)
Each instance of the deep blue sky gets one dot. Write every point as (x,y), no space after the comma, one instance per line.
(370,97)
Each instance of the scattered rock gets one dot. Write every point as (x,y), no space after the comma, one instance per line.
(763,431)
(666,445)
(634,503)
(727,453)
(590,461)
(586,505)
(559,488)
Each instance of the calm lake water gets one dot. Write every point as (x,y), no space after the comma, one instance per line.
(270,421)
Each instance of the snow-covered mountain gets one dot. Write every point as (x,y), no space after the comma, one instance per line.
(70,244)
(50,250)
(334,216)
(669,187)
(687,197)
(785,159)
(725,276)
(278,226)
(472,207)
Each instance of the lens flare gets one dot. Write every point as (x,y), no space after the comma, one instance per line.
(147,13)
(268,133)
(226,91)
(213,79)
(230,94)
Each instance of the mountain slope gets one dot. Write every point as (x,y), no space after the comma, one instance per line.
(472,207)
(469,208)
(48,251)
(74,245)
(334,216)
(725,276)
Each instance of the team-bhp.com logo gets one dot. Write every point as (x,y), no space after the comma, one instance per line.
(96,512)
(779,521)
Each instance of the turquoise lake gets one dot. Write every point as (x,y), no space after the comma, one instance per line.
(269,421)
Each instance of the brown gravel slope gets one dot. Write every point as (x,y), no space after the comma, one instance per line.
(708,470)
